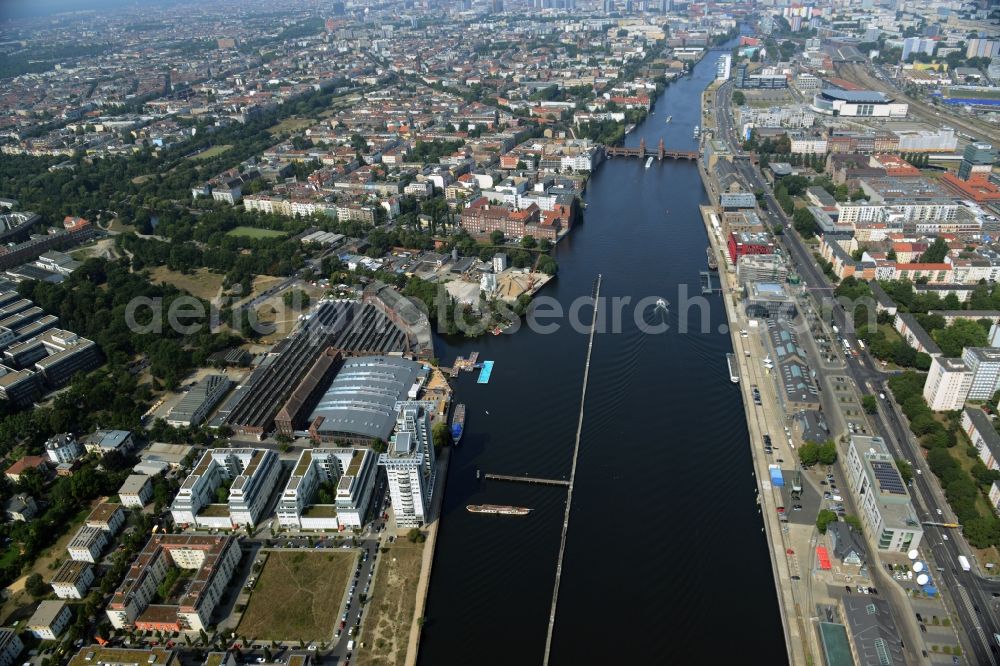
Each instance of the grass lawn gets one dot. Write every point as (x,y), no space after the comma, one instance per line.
(254,232)
(385,630)
(200,283)
(211,152)
(298,596)
(291,125)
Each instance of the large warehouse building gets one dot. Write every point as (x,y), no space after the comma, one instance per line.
(360,406)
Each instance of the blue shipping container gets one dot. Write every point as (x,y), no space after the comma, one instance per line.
(776,478)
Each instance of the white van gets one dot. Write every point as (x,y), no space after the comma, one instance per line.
(350,645)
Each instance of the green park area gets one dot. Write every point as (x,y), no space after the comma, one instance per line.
(254,232)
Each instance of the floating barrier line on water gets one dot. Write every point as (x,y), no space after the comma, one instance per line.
(572,478)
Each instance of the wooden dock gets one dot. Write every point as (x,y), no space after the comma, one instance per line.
(528,479)
(462,363)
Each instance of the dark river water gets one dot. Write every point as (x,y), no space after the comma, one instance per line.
(665,560)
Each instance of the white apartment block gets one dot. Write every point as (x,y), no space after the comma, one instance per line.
(886,511)
(349,472)
(73,580)
(251,474)
(63,448)
(10,646)
(808,145)
(947,385)
(213,559)
(107,517)
(984,362)
(50,619)
(410,465)
(979,428)
(87,544)
(136,492)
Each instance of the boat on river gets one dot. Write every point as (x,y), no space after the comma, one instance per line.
(734,368)
(713,263)
(649,162)
(458,423)
(498,509)
(669,118)
(697,131)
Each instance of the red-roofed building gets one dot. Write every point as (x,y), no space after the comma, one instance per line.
(481,218)
(894,165)
(71,223)
(15,471)
(843,84)
(980,190)
(632,102)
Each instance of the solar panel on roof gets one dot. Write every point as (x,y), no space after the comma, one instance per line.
(888,478)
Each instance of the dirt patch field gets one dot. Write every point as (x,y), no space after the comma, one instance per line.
(385,630)
(298,596)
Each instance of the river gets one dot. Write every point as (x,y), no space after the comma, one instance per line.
(665,560)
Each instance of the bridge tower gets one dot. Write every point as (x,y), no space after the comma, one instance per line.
(642,148)
(661,150)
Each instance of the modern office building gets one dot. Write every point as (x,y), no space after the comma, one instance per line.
(983,435)
(199,401)
(881,495)
(761,268)
(410,465)
(977,161)
(768,299)
(213,559)
(947,385)
(743,243)
(984,363)
(329,489)
(249,475)
(73,579)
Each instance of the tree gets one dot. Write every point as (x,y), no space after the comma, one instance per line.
(528,242)
(496,237)
(905,470)
(804,222)
(739,99)
(870,403)
(960,334)
(824,518)
(936,253)
(36,587)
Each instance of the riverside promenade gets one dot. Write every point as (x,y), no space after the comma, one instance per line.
(761,420)
(423,583)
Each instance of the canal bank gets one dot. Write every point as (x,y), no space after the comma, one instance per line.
(665,553)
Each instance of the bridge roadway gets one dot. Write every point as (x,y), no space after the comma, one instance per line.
(661,152)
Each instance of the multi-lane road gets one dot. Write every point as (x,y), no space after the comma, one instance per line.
(972,595)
